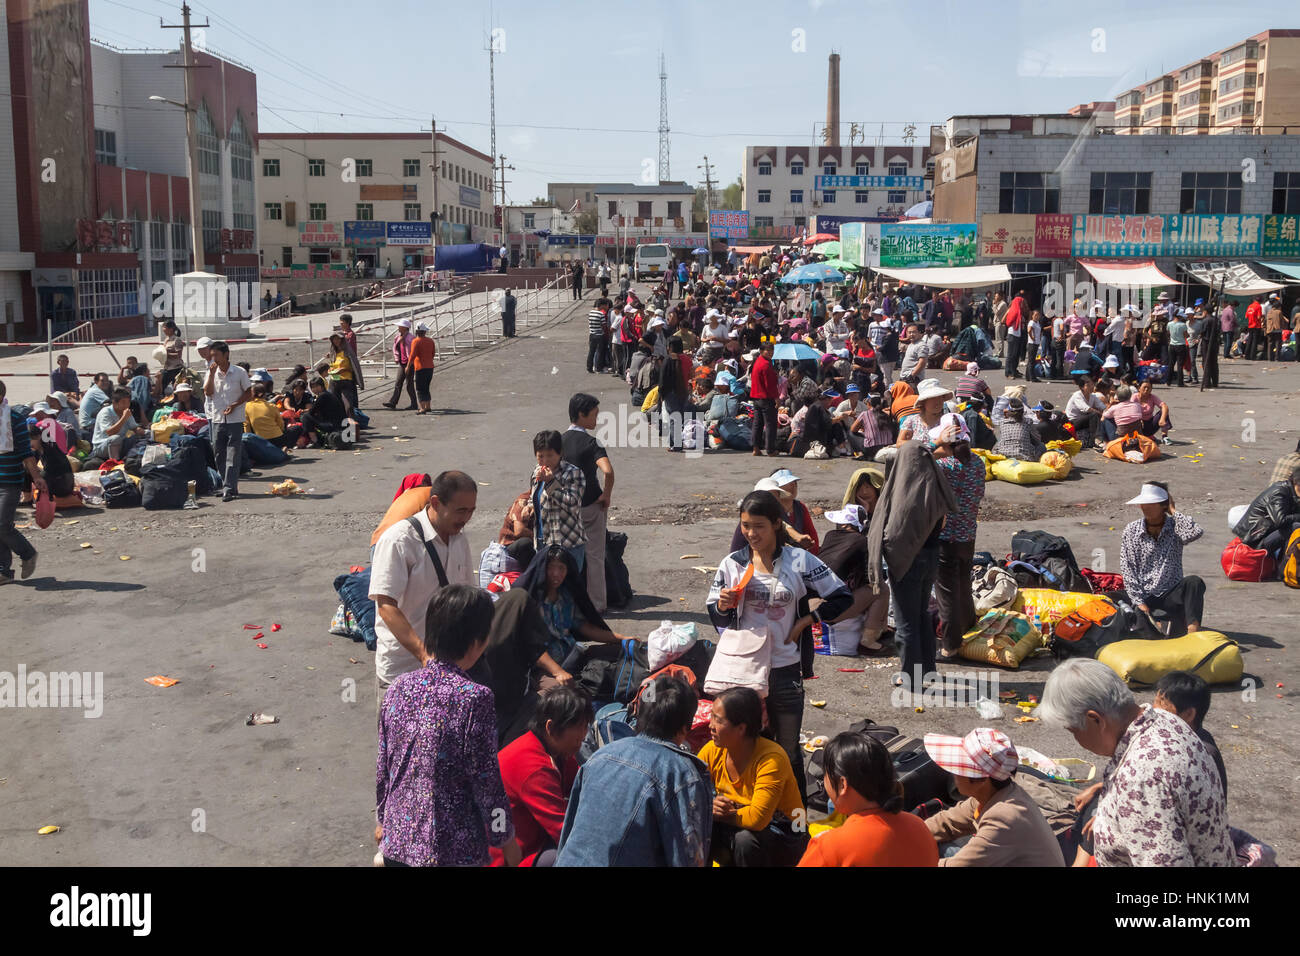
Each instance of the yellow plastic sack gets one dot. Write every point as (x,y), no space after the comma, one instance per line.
(1209,654)
(1004,638)
(1049,605)
(989,458)
(833,822)
(1059,462)
(164,430)
(1021,472)
(651,399)
(1071,446)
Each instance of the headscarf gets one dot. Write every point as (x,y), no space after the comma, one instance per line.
(533,580)
(903,399)
(872,473)
(414,480)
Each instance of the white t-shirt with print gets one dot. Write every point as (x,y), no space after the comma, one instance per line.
(770,605)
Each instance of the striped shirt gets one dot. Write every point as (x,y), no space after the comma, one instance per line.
(11,463)
(968,386)
(596,322)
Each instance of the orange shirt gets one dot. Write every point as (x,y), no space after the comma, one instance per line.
(875,838)
(422,352)
(408,504)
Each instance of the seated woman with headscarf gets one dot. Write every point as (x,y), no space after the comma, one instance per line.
(902,400)
(844,551)
(1016,439)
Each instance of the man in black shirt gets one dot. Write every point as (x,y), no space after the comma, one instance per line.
(583,451)
(508,315)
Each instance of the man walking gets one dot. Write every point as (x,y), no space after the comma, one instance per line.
(576,275)
(584,451)
(402,356)
(228,387)
(763,390)
(1228,326)
(597,331)
(508,314)
(16,462)
(505,259)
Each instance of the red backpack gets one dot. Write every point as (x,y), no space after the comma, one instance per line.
(1241,562)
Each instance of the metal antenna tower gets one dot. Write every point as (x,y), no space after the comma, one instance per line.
(664,174)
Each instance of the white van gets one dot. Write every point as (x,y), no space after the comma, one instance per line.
(652,260)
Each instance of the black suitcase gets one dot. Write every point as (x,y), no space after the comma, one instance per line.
(921,777)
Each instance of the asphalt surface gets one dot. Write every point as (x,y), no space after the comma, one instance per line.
(173,775)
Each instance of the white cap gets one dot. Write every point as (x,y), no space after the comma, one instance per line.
(785,477)
(41,408)
(203,343)
(403,323)
(767,484)
(59,397)
(421,327)
(1151,495)
(932,388)
(851,516)
(1112,361)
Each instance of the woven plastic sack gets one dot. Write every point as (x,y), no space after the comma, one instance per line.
(1021,472)
(1059,462)
(1050,606)
(1208,654)
(1004,638)
(1071,446)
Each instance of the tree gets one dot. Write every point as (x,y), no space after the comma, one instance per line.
(540,201)
(587,222)
(733,196)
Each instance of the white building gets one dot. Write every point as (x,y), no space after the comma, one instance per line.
(644,211)
(786,187)
(331,198)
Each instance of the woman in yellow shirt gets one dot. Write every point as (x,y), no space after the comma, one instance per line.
(758,817)
(342,373)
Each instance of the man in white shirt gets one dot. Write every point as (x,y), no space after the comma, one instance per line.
(228,388)
(404,577)
(916,356)
(1058,347)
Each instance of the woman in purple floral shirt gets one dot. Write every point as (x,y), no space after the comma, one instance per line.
(965,473)
(1161,801)
(438,784)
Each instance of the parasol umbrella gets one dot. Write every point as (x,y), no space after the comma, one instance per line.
(794,352)
(820,237)
(700,251)
(922,210)
(830,250)
(841,265)
(811,274)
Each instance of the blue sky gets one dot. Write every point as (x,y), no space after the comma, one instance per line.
(738,73)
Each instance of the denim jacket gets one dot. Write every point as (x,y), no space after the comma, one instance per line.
(639,802)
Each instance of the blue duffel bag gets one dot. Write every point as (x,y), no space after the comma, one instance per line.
(260,452)
(354,592)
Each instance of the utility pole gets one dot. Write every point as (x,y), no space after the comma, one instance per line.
(435,216)
(663,121)
(191,139)
(503,167)
(708,204)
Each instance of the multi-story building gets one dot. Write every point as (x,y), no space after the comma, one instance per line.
(785,187)
(331,199)
(1046,192)
(528,229)
(15,263)
(1252,86)
(100,187)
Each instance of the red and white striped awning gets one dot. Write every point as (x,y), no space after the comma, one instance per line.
(1142,273)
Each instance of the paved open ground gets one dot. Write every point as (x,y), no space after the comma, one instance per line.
(173,775)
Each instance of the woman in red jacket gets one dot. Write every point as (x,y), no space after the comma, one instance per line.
(538,770)
(764,391)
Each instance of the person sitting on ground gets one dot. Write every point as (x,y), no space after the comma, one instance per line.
(1151,561)
(96,397)
(1282,468)
(183,400)
(1161,802)
(872,430)
(1155,413)
(931,397)
(64,378)
(1122,416)
(902,400)
(642,800)
(538,769)
(439,795)
(1272,517)
(758,817)
(999,823)
(1049,423)
(971,384)
(263,419)
(325,415)
(861,780)
(798,517)
(1015,438)
(844,551)
(1085,363)
(1085,410)
(116,431)
(555,583)
(64,410)
(513,550)
(55,468)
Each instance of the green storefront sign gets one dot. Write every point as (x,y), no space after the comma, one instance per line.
(928,246)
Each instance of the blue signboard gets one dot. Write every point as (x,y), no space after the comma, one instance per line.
(364,232)
(834,223)
(728,224)
(470,197)
(570,240)
(868,182)
(1219,236)
(1228,236)
(410,234)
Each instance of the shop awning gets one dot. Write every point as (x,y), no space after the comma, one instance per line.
(1234,278)
(1142,273)
(1290,269)
(959,277)
(750,250)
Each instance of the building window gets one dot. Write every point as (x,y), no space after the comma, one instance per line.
(796,169)
(315,167)
(365,210)
(273,211)
(211,230)
(1210,193)
(896,197)
(762,222)
(1119,193)
(765,169)
(612,208)
(675,210)
(241,152)
(270,167)
(411,211)
(643,210)
(107,293)
(765,195)
(410,167)
(830,167)
(801,222)
(861,196)
(316,210)
(444,169)
(106,147)
(898,169)
(929,169)
(1029,193)
(1286,192)
(366,168)
(862,169)
(286,256)
(530,220)
(209,145)
(828,197)
(1246,50)
(796,197)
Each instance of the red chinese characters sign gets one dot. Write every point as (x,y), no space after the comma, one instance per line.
(1052,236)
(98,235)
(236,240)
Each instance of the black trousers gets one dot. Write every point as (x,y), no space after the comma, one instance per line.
(1251,349)
(508,325)
(1176,355)
(1184,603)
(1015,350)
(403,379)
(1031,360)
(953,589)
(765,425)
(772,846)
(596,357)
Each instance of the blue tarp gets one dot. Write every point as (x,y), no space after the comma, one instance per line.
(470,257)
